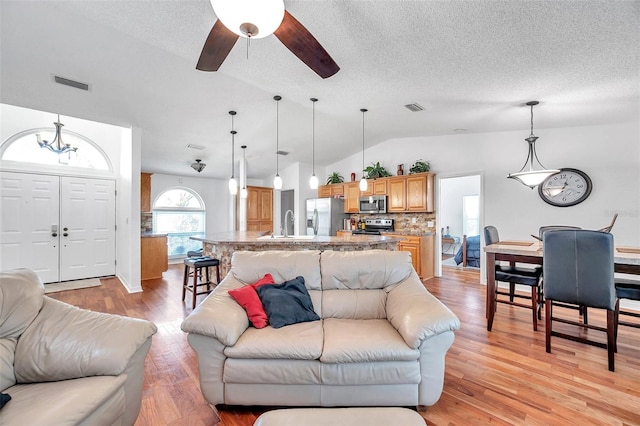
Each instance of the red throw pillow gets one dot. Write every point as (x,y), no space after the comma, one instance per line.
(248,298)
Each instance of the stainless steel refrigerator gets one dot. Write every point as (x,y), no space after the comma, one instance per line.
(325,216)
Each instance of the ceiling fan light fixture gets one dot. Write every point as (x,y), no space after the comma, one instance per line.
(529,176)
(250,18)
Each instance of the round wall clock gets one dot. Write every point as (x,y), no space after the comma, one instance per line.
(566,188)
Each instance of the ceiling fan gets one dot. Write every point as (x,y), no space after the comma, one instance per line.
(258,19)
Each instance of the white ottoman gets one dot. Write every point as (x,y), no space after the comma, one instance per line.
(374,416)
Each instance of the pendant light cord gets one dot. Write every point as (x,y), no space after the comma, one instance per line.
(532,121)
(363,111)
(313,137)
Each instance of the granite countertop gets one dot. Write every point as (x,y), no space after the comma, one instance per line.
(151,235)
(255,237)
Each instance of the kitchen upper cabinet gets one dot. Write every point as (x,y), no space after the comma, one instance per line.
(413,193)
(145,192)
(352,197)
(259,208)
(375,187)
(327,191)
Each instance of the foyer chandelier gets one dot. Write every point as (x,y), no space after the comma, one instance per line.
(532,177)
(56,145)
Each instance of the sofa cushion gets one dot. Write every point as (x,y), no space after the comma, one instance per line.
(68,402)
(287,303)
(247,297)
(371,373)
(249,266)
(297,341)
(354,304)
(369,269)
(348,340)
(272,371)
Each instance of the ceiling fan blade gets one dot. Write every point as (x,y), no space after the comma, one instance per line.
(218,45)
(304,45)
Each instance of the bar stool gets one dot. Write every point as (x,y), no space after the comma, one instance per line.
(198,263)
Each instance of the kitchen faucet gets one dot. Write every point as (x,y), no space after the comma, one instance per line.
(285,228)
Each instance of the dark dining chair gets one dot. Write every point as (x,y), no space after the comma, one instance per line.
(513,275)
(627,289)
(578,270)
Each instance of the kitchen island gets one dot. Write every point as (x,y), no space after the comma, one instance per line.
(223,245)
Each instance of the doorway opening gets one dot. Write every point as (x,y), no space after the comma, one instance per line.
(459,222)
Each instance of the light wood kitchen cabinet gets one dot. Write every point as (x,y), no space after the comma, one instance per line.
(145,192)
(352,197)
(153,256)
(259,208)
(422,252)
(327,191)
(413,193)
(375,187)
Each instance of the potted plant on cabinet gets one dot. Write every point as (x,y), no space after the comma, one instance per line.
(419,166)
(334,178)
(376,171)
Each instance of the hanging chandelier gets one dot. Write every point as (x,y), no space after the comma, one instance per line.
(233,184)
(198,166)
(56,146)
(313,181)
(532,177)
(277,180)
(363,181)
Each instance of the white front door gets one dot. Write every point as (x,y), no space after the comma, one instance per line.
(87,222)
(29,220)
(63,228)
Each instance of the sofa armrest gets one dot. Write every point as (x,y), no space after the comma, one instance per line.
(219,316)
(65,342)
(417,314)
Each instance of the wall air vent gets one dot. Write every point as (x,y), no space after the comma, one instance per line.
(414,107)
(70,83)
(194,146)
(282,152)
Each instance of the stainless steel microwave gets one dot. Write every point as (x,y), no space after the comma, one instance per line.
(373,204)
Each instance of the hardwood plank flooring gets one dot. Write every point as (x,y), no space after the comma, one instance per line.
(503,377)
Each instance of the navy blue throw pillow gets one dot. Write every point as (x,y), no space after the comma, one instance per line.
(4,398)
(287,303)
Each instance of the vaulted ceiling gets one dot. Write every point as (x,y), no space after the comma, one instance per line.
(471,65)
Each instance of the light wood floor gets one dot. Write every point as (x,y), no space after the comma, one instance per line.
(500,377)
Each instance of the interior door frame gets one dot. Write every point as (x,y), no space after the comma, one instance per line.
(439,201)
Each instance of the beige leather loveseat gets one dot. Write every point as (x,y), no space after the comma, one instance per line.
(381,339)
(66,366)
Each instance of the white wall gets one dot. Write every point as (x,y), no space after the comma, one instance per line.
(609,154)
(295,177)
(214,193)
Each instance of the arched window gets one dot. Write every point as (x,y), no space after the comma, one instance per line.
(23,147)
(179,213)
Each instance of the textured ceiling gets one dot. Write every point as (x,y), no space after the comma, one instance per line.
(471,64)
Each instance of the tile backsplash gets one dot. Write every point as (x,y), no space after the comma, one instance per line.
(405,222)
(146,222)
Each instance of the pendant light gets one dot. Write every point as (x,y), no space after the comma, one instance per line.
(243,191)
(363,181)
(313,181)
(277,180)
(56,145)
(233,184)
(532,177)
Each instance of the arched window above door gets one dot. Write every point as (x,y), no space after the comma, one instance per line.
(23,148)
(179,213)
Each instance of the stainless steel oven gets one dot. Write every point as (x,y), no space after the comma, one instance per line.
(373,204)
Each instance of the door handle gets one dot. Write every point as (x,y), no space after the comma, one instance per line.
(54,234)
(65,229)
(65,235)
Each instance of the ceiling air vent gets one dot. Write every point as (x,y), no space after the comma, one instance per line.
(282,152)
(194,146)
(414,107)
(70,83)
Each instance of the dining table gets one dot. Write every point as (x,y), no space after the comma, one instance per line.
(626,260)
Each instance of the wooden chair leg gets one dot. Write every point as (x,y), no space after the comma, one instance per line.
(611,340)
(492,312)
(195,287)
(512,291)
(534,307)
(185,282)
(616,321)
(547,328)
